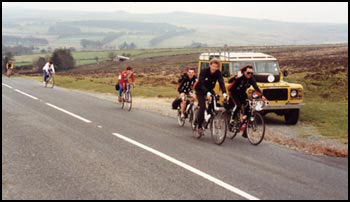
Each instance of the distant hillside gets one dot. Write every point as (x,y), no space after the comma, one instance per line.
(177,29)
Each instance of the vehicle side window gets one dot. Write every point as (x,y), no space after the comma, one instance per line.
(204,65)
(226,69)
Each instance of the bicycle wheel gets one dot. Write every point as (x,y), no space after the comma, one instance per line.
(233,128)
(123,100)
(190,115)
(180,121)
(51,82)
(256,129)
(9,72)
(218,128)
(194,125)
(129,101)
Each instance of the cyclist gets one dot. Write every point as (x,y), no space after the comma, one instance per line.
(48,68)
(185,88)
(126,76)
(204,88)
(9,68)
(237,88)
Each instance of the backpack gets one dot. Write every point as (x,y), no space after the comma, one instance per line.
(176,103)
(117,86)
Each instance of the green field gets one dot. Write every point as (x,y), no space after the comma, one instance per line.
(326,103)
(88,57)
(107,85)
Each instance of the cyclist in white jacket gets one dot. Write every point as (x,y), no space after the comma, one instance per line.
(49,67)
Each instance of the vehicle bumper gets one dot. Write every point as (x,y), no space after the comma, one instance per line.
(281,107)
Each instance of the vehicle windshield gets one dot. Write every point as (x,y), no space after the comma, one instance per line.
(267,67)
(259,66)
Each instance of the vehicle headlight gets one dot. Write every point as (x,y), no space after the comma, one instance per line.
(255,95)
(293,93)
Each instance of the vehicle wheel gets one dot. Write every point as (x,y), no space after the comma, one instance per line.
(218,128)
(256,130)
(292,116)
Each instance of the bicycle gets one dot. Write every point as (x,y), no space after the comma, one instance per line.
(188,111)
(127,98)
(9,72)
(214,117)
(255,125)
(50,80)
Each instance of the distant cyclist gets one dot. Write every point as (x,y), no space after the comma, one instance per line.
(237,88)
(9,68)
(205,88)
(185,88)
(48,68)
(126,77)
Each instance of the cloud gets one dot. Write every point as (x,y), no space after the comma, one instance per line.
(293,12)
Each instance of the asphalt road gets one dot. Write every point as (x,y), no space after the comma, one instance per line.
(62,144)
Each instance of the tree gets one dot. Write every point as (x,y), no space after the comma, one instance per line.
(123,46)
(97,58)
(39,63)
(112,56)
(132,46)
(63,59)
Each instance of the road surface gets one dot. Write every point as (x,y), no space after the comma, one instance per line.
(62,144)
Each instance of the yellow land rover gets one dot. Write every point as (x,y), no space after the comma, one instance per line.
(285,99)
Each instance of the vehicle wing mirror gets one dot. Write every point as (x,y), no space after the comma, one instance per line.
(285,73)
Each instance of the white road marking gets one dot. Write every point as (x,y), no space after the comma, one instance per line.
(26,94)
(6,85)
(189,168)
(99,126)
(67,112)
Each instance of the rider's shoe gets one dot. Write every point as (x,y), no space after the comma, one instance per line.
(243,127)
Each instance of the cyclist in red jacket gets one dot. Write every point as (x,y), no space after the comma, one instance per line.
(126,77)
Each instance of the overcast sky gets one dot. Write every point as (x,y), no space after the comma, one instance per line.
(292,12)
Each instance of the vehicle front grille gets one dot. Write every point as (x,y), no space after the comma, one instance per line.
(276,94)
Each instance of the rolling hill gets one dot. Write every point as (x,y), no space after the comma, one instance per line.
(176,29)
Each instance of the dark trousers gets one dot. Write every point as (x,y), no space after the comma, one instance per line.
(239,101)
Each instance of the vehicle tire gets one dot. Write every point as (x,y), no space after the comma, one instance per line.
(218,128)
(292,116)
(256,130)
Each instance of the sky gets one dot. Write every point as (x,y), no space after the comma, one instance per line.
(326,12)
